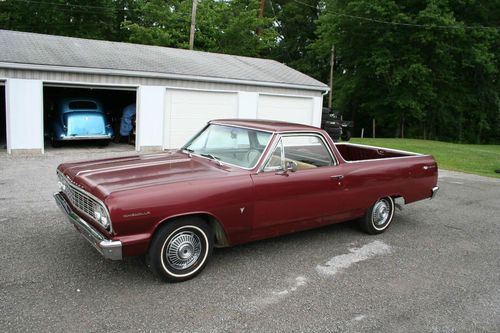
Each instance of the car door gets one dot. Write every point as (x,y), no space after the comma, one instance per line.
(305,195)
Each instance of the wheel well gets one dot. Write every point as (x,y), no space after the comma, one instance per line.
(220,238)
(398,199)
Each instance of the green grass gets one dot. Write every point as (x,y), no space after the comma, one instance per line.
(477,159)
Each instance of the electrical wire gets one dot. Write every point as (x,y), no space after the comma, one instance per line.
(363,18)
(416,25)
(83,8)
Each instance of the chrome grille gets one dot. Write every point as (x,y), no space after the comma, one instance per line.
(81,200)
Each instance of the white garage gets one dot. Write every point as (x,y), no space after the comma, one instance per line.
(175,91)
(293,109)
(187,111)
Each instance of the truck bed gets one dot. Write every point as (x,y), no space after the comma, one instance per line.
(356,152)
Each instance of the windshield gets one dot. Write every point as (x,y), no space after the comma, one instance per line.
(82,105)
(233,145)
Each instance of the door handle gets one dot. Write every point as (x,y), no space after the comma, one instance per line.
(337,177)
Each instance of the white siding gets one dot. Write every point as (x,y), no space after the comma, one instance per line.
(150,106)
(24,113)
(317,111)
(186,112)
(284,108)
(247,105)
(110,80)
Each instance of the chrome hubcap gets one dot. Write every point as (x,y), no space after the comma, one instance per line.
(380,213)
(183,250)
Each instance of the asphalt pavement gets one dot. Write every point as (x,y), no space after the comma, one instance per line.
(436,269)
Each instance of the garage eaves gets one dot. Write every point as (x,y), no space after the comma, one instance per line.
(30,51)
(101,71)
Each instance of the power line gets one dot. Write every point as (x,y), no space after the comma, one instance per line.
(82,8)
(363,18)
(64,4)
(416,25)
(85,9)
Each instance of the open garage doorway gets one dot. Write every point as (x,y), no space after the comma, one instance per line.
(88,117)
(3,121)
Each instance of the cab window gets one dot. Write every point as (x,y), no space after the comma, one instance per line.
(305,151)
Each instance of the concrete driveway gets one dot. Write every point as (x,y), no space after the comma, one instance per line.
(437,269)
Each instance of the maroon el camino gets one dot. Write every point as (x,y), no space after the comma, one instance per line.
(236,181)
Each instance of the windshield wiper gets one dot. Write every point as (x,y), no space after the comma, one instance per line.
(212,157)
(189,150)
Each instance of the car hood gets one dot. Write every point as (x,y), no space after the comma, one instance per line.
(106,176)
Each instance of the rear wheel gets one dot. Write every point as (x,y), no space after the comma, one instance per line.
(378,218)
(346,135)
(103,143)
(180,249)
(55,143)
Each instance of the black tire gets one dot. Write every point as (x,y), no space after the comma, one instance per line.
(330,128)
(55,143)
(346,135)
(335,137)
(378,217)
(103,143)
(188,237)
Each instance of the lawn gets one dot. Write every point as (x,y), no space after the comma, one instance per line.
(478,159)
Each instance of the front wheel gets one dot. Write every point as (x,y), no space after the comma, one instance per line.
(180,249)
(378,218)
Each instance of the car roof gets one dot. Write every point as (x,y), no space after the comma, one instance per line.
(265,125)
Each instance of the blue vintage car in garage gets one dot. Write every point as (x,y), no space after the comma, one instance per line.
(80,119)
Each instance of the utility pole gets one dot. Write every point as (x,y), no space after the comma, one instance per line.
(332,68)
(193,24)
(262,6)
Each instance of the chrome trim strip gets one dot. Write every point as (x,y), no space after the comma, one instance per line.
(413,155)
(81,137)
(383,148)
(382,159)
(435,190)
(221,123)
(109,249)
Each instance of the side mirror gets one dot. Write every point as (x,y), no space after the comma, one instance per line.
(291,166)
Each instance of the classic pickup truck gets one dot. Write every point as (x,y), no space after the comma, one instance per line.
(236,181)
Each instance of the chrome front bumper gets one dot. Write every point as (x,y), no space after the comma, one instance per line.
(85,137)
(435,189)
(108,248)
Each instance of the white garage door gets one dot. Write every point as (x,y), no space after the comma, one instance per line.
(187,112)
(283,108)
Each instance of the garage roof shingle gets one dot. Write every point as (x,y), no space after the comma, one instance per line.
(48,50)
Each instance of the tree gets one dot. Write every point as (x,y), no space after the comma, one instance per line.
(221,26)
(91,19)
(429,71)
(296,25)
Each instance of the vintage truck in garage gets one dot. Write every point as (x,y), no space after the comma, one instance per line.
(236,181)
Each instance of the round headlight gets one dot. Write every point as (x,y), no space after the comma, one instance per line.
(97,216)
(104,221)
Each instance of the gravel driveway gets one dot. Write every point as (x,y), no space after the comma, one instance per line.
(437,269)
